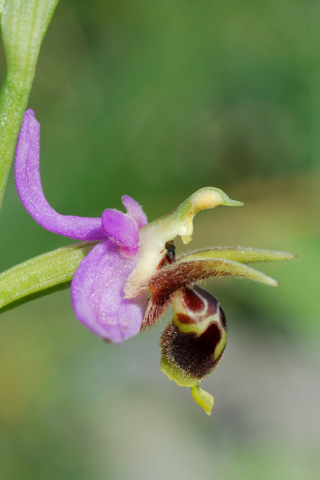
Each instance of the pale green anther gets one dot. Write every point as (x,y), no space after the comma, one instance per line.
(23,26)
(208,197)
(179,222)
(42,273)
(203,398)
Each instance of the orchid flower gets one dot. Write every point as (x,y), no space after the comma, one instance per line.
(132,276)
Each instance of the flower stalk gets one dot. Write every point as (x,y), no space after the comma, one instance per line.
(43,274)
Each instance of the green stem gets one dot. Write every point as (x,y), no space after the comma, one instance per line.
(13,102)
(23,26)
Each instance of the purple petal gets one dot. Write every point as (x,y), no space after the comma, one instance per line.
(122,229)
(134,210)
(28,182)
(97,294)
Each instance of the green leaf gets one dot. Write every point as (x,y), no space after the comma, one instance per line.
(41,275)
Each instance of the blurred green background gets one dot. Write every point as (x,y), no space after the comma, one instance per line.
(156,100)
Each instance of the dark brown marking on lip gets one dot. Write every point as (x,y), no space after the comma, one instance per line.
(190,352)
(192,301)
(223,318)
(185,319)
(211,300)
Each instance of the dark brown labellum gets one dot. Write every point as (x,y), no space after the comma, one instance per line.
(194,342)
(193,354)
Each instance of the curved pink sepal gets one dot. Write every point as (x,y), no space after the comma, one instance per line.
(28,182)
(97,294)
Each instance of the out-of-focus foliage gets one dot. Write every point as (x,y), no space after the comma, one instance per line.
(156,100)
